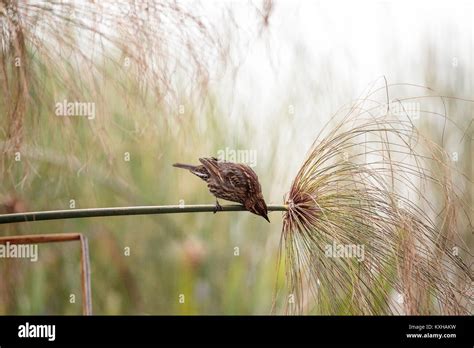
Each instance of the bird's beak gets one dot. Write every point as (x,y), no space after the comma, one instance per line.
(266,218)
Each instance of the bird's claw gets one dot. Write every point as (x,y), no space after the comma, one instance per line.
(218,207)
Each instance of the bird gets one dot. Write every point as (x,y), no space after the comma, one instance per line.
(235,182)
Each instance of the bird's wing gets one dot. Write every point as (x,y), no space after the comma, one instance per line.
(212,166)
(233,176)
(240,176)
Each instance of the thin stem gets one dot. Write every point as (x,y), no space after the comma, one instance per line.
(118,211)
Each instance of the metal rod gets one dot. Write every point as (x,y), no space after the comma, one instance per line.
(86,277)
(120,211)
(58,238)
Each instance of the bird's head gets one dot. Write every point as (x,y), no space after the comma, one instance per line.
(258,207)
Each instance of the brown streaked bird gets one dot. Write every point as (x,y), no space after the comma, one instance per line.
(234,182)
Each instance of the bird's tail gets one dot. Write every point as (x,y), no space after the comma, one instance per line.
(199,170)
(184,166)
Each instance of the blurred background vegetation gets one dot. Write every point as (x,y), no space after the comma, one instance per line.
(174,82)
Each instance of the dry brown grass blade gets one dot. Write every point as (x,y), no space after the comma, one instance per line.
(58,238)
(372,185)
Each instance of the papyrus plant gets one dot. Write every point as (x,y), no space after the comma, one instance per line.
(372,181)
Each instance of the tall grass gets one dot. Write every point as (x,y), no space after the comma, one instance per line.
(75,50)
(139,62)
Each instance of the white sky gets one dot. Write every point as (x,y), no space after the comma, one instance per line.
(319,55)
(362,40)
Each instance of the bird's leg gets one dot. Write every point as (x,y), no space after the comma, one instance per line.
(218,207)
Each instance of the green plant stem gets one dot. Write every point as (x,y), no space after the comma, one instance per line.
(119,211)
